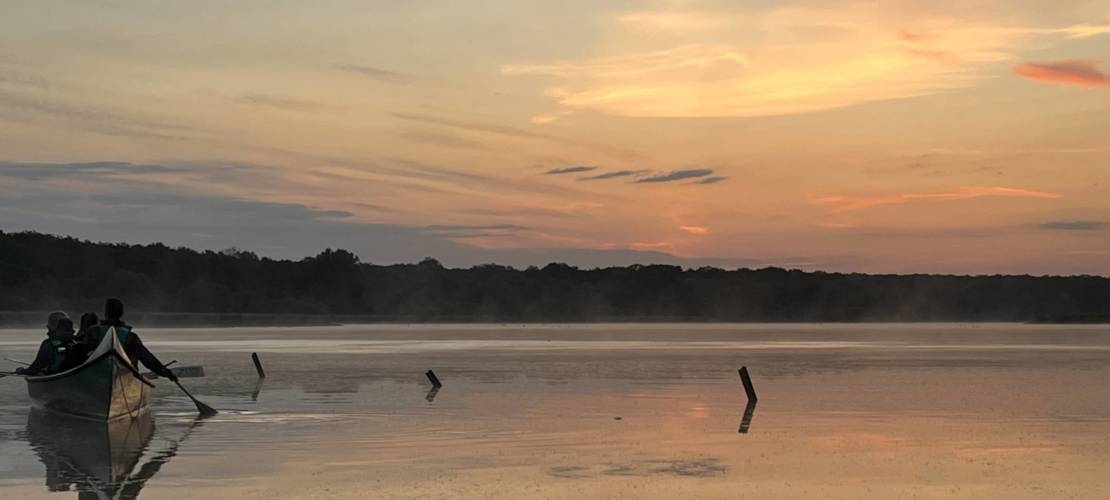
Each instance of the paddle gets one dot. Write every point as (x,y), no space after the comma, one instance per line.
(5,374)
(17,362)
(203,409)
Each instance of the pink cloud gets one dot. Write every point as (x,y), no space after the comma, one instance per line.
(869,201)
(907,36)
(695,229)
(1079,72)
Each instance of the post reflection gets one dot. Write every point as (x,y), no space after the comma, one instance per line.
(97,460)
(257,389)
(746,420)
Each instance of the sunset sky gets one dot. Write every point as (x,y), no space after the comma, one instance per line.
(894,136)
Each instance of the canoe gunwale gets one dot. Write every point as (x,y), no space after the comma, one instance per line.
(116,350)
(78,369)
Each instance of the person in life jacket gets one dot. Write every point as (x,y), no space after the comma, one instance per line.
(79,352)
(52,351)
(89,321)
(113,321)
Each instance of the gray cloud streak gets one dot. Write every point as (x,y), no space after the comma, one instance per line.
(614,175)
(95,120)
(570,170)
(143,210)
(24,80)
(677,175)
(1075,225)
(282,103)
(379,74)
(40,171)
(472,231)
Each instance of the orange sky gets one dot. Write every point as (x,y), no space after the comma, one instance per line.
(880,137)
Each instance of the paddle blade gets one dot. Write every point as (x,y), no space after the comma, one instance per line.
(189,371)
(204,410)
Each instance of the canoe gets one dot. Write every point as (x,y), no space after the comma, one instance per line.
(88,456)
(105,387)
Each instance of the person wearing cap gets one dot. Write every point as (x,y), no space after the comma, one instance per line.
(132,345)
(52,351)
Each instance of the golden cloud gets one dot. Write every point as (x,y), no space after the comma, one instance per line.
(863,54)
(699,230)
(869,201)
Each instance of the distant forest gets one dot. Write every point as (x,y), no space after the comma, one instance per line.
(40,272)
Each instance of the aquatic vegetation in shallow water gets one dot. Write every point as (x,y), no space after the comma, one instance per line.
(703,467)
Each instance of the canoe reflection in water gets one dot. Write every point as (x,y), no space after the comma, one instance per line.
(98,460)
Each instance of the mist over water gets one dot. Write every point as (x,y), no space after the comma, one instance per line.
(625,411)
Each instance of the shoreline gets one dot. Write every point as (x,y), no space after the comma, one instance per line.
(33,319)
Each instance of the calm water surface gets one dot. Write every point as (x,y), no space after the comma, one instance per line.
(592,411)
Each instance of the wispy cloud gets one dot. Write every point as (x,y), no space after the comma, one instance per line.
(869,201)
(443,140)
(42,171)
(23,79)
(458,231)
(689,57)
(677,175)
(1075,225)
(712,180)
(91,119)
(467,125)
(545,119)
(841,61)
(672,21)
(1078,30)
(379,74)
(570,170)
(1079,72)
(509,131)
(520,211)
(613,175)
(282,103)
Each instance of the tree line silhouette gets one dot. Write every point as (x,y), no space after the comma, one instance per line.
(39,272)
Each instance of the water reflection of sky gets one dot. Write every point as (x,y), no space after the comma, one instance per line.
(583,409)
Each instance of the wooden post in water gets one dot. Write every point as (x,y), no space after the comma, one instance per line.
(258,365)
(435,380)
(747,381)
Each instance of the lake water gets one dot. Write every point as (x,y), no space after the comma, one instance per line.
(593,411)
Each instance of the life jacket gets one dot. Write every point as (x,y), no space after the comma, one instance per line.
(122,331)
(59,349)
